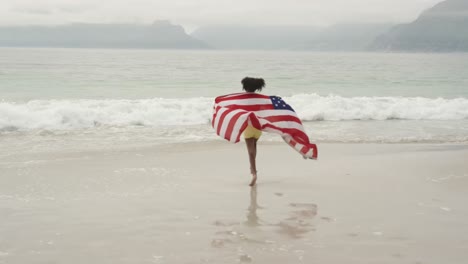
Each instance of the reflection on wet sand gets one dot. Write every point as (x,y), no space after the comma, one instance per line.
(296,225)
(252,217)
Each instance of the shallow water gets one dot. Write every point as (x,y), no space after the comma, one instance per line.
(101,98)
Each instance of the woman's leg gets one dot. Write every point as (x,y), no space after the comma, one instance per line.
(252,150)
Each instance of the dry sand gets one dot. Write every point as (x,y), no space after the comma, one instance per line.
(190,203)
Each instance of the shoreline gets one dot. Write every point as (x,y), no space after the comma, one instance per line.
(190,203)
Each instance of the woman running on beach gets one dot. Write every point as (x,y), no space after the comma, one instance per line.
(251,134)
(251,113)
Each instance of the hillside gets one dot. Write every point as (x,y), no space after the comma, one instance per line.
(161,34)
(443,28)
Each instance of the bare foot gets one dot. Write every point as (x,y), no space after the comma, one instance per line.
(254,179)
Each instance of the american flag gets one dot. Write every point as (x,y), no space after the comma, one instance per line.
(234,112)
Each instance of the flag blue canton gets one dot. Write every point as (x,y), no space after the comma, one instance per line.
(278,103)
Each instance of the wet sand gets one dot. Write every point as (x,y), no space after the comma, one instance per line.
(190,203)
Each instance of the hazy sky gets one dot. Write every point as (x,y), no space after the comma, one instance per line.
(193,13)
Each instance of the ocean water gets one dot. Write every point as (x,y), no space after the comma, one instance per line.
(93,98)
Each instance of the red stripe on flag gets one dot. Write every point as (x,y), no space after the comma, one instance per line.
(305,149)
(255,122)
(315,151)
(292,143)
(252,108)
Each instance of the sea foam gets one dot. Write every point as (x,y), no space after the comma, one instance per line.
(158,112)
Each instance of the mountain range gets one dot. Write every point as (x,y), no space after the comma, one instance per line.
(160,34)
(442,28)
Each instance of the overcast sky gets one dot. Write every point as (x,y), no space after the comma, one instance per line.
(194,13)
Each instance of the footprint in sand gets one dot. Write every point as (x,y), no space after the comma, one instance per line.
(328,219)
(306,210)
(225,223)
(299,221)
(220,242)
(245,258)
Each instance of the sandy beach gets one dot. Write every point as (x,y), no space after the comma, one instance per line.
(190,203)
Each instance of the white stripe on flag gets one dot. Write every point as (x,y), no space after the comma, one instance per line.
(284,124)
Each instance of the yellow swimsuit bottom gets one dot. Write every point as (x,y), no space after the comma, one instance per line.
(252,132)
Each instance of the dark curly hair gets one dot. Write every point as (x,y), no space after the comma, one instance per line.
(252,85)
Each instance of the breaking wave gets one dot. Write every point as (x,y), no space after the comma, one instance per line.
(157,112)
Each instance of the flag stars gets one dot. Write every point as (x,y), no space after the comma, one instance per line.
(278,103)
